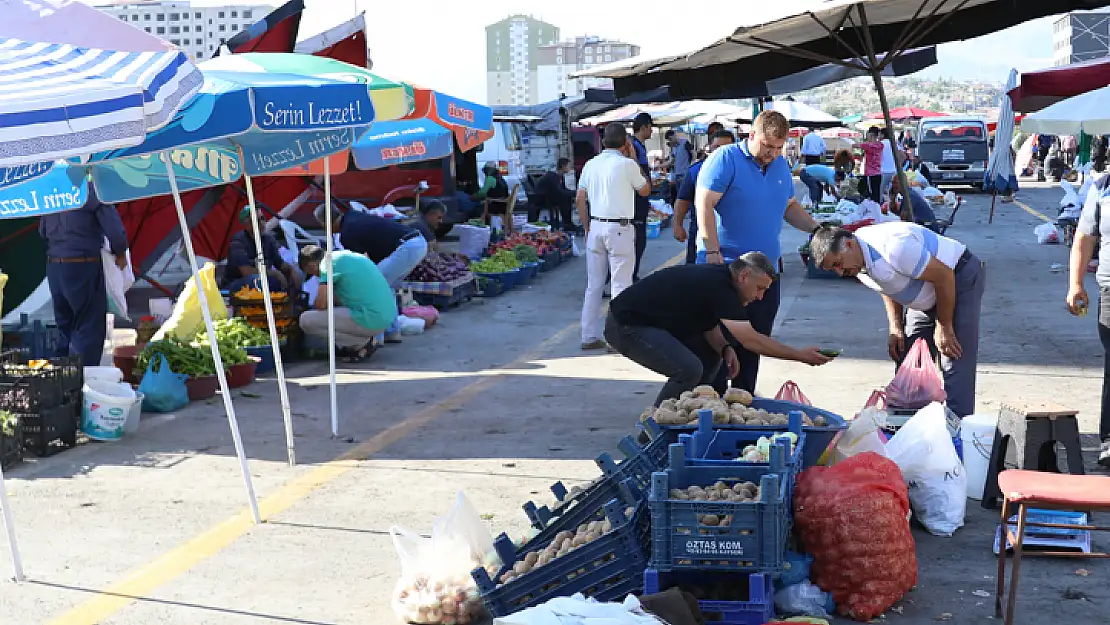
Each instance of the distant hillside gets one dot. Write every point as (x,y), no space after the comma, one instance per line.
(858,96)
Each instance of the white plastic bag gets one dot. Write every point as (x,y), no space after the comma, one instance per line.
(1047,234)
(473,240)
(116,281)
(802,599)
(577,251)
(861,436)
(923,450)
(828,198)
(435,587)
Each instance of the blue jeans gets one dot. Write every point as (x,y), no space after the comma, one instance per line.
(816,189)
(80,300)
(403,260)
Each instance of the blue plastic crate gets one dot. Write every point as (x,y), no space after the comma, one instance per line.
(653,229)
(529,271)
(710,446)
(818,438)
(486,287)
(606,569)
(640,462)
(754,538)
(1054,538)
(757,608)
(576,506)
(551,260)
(507,279)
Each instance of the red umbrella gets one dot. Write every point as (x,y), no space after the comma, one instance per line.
(1048,86)
(906,112)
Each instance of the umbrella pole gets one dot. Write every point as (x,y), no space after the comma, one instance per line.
(331,298)
(994,196)
(9,527)
(264,284)
(907,205)
(212,343)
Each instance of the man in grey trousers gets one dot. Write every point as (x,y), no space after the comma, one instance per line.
(932,287)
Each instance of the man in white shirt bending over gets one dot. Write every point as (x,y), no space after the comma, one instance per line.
(813,148)
(932,287)
(609,183)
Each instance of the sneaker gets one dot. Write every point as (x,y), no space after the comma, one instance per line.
(1104,454)
(594,344)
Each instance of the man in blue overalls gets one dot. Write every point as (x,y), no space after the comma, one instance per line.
(75,273)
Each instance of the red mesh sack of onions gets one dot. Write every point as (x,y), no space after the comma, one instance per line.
(853,518)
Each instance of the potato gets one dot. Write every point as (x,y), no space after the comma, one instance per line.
(664,416)
(738,396)
(562,552)
(520,567)
(726,521)
(669,404)
(579,541)
(531,558)
(705,390)
(606,526)
(544,558)
(720,485)
(686,395)
(779,420)
(507,577)
(714,495)
(563,535)
(820,421)
(710,519)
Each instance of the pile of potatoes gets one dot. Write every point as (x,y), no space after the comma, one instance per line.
(564,543)
(739,492)
(426,601)
(732,409)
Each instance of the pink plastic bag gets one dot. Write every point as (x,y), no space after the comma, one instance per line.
(877,397)
(917,382)
(428,313)
(789,391)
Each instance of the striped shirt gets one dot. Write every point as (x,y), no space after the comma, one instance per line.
(895,255)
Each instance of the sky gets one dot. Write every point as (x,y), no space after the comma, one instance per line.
(441,44)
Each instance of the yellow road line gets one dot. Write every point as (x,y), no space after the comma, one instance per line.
(1034,212)
(180,560)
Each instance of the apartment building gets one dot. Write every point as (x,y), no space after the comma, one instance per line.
(1080,36)
(555,62)
(512,47)
(198,30)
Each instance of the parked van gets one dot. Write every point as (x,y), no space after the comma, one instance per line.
(954,149)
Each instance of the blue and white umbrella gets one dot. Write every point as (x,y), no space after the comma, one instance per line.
(402,141)
(251,120)
(59,101)
(1000,177)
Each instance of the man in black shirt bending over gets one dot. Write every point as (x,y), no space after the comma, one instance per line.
(671,322)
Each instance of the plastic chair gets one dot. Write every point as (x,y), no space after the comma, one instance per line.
(296,237)
(508,204)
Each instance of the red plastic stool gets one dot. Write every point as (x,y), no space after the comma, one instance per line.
(1051,491)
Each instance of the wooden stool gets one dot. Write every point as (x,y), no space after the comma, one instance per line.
(1051,491)
(1034,431)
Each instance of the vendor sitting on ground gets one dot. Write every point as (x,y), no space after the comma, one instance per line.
(241,268)
(932,287)
(364,303)
(671,322)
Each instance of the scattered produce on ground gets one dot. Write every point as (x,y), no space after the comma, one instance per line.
(733,409)
(563,543)
(438,267)
(235,333)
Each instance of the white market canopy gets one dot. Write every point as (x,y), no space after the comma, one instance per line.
(1087,113)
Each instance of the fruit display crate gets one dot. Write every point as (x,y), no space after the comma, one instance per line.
(754,594)
(51,430)
(507,279)
(484,287)
(551,260)
(640,461)
(580,504)
(35,338)
(709,446)
(11,446)
(28,384)
(608,568)
(748,535)
(818,437)
(459,291)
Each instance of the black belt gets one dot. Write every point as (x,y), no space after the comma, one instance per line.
(622,221)
(964,258)
(75,259)
(412,234)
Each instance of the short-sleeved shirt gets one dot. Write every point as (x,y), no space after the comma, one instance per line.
(813,145)
(822,173)
(753,202)
(682,156)
(611,180)
(1095,221)
(241,251)
(361,287)
(684,300)
(889,166)
(896,254)
(377,237)
(922,210)
(422,226)
(872,158)
(686,190)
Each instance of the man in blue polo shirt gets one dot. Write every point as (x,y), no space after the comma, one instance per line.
(745,191)
(686,197)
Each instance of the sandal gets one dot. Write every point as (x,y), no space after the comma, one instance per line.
(354,356)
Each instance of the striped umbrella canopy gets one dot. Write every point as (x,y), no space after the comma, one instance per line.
(1000,176)
(60,100)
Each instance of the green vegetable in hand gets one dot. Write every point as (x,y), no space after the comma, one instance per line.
(830,353)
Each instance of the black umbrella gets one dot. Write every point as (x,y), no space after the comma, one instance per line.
(828,32)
